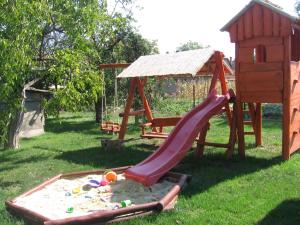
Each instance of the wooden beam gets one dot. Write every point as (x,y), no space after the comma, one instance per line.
(286,121)
(128,105)
(114,65)
(140,86)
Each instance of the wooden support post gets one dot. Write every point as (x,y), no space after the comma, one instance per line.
(258,123)
(128,105)
(201,141)
(240,129)
(286,120)
(233,133)
(140,86)
(221,77)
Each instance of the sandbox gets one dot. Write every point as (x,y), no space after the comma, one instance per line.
(70,199)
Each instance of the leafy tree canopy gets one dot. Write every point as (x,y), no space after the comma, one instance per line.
(58,42)
(190,45)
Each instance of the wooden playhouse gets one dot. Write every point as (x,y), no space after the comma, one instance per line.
(267,42)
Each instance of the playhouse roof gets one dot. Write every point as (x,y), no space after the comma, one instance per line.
(181,64)
(269,5)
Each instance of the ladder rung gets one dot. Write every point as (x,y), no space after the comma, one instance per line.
(249,133)
(248,122)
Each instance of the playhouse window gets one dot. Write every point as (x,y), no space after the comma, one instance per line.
(259,54)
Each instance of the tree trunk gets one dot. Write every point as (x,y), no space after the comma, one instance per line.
(13,135)
(13,139)
(98,111)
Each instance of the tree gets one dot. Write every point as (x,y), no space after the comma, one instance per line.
(52,41)
(297,7)
(129,47)
(190,45)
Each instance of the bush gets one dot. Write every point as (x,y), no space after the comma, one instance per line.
(273,111)
(172,106)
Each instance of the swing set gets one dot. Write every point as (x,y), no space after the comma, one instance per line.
(187,64)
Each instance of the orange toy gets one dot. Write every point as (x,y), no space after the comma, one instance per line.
(111,176)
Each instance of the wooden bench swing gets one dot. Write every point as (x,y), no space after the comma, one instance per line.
(213,64)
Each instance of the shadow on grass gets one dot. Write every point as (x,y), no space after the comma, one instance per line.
(98,157)
(287,213)
(86,127)
(15,163)
(6,184)
(213,169)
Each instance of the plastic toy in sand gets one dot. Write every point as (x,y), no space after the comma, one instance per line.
(103,182)
(126,203)
(70,210)
(94,183)
(68,194)
(76,190)
(111,176)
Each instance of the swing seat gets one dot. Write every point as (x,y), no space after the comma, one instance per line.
(110,126)
(157,125)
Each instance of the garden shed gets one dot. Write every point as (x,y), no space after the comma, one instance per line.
(34,118)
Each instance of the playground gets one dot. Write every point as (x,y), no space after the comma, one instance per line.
(230,161)
(258,190)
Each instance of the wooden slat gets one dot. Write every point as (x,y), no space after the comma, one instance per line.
(294,72)
(295,120)
(249,133)
(262,96)
(268,22)
(261,81)
(276,24)
(295,99)
(295,93)
(233,33)
(294,143)
(165,122)
(285,26)
(152,135)
(248,123)
(258,28)
(248,25)
(241,29)
(134,113)
(275,53)
(267,41)
(260,67)
(246,55)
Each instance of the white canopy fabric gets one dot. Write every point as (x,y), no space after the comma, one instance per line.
(187,63)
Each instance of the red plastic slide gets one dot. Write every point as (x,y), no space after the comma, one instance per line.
(181,139)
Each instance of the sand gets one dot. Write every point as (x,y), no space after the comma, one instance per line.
(55,199)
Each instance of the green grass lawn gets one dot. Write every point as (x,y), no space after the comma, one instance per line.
(262,189)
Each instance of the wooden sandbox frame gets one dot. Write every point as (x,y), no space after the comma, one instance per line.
(100,216)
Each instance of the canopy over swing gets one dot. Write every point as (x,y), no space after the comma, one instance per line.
(181,64)
(187,64)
